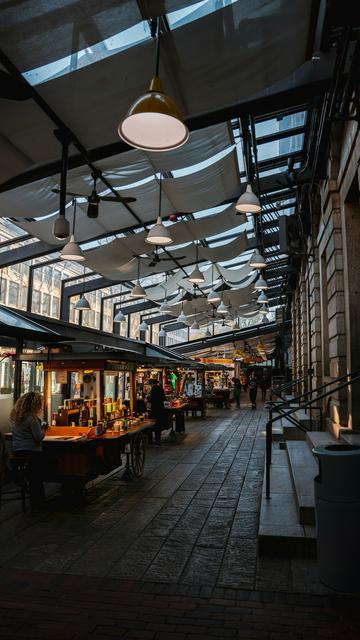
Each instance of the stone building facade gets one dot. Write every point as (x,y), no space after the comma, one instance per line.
(326,302)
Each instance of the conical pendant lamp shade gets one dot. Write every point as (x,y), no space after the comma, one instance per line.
(159,234)
(165,307)
(61,228)
(263,299)
(153,122)
(257,261)
(222,308)
(82,304)
(138,291)
(119,316)
(143,326)
(195,326)
(213,296)
(261,284)
(207,333)
(162,333)
(248,202)
(72,251)
(182,318)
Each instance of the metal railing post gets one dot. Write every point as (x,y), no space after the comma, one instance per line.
(268,458)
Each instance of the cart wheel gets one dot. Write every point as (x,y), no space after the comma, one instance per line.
(137,454)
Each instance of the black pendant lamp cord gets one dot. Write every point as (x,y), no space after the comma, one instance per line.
(155,32)
(138,270)
(257,181)
(74,216)
(160,195)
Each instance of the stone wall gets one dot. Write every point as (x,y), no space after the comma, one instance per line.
(326,304)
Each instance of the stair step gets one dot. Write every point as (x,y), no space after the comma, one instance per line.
(319,438)
(303,469)
(285,430)
(350,438)
(280,533)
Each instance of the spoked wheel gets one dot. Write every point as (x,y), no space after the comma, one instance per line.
(137,454)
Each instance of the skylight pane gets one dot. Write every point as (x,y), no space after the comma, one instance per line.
(280,147)
(268,127)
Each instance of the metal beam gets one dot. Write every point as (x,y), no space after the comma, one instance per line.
(27,252)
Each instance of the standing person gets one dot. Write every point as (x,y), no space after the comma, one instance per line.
(157,398)
(28,432)
(253,390)
(236,391)
(264,384)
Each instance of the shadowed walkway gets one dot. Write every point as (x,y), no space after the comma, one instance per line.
(184,535)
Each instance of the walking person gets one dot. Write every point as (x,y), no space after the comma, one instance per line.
(253,390)
(28,432)
(264,385)
(236,391)
(157,398)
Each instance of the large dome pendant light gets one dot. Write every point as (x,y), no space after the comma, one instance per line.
(72,251)
(138,291)
(159,234)
(154,122)
(257,261)
(196,277)
(261,284)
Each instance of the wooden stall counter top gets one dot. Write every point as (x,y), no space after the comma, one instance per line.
(142,424)
(79,434)
(176,404)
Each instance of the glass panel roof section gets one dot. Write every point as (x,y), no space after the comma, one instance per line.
(280,147)
(177,173)
(8,317)
(210,212)
(131,37)
(281,123)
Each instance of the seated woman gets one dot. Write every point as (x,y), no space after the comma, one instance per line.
(28,431)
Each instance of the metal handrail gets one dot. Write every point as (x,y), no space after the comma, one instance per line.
(326,384)
(288,385)
(354,377)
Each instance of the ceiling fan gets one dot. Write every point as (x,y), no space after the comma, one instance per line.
(94,199)
(156,258)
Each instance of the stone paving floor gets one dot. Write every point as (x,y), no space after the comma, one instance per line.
(187,529)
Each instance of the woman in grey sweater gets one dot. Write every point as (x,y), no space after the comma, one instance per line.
(28,432)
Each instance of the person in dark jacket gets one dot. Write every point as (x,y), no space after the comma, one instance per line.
(253,390)
(157,398)
(236,391)
(28,432)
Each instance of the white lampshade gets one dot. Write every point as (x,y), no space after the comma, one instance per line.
(262,299)
(119,316)
(213,296)
(165,307)
(207,333)
(261,284)
(222,308)
(257,261)
(236,325)
(195,326)
(159,234)
(138,291)
(82,304)
(265,320)
(61,228)
(182,318)
(264,310)
(153,122)
(72,251)
(196,276)
(162,333)
(248,202)
(143,326)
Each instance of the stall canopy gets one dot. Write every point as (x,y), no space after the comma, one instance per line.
(15,325)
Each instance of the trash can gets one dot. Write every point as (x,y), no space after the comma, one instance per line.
(337,505)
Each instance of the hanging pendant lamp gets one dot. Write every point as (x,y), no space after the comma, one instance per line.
(248,202)
(236,325)
(265,320)
(182,317)
(119,316)
(264,310)
(72,251)
(222,308)
(143,326)
(257,261)
(165,307)
(138,291)
(207,333)
(213,295)
(153,122)
(159,234)
(83,304)
(263,299)
(195,326)
(196,276)
(261,284)
(162,333)
(61,228)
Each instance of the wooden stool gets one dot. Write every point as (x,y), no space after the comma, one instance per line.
(17,472)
